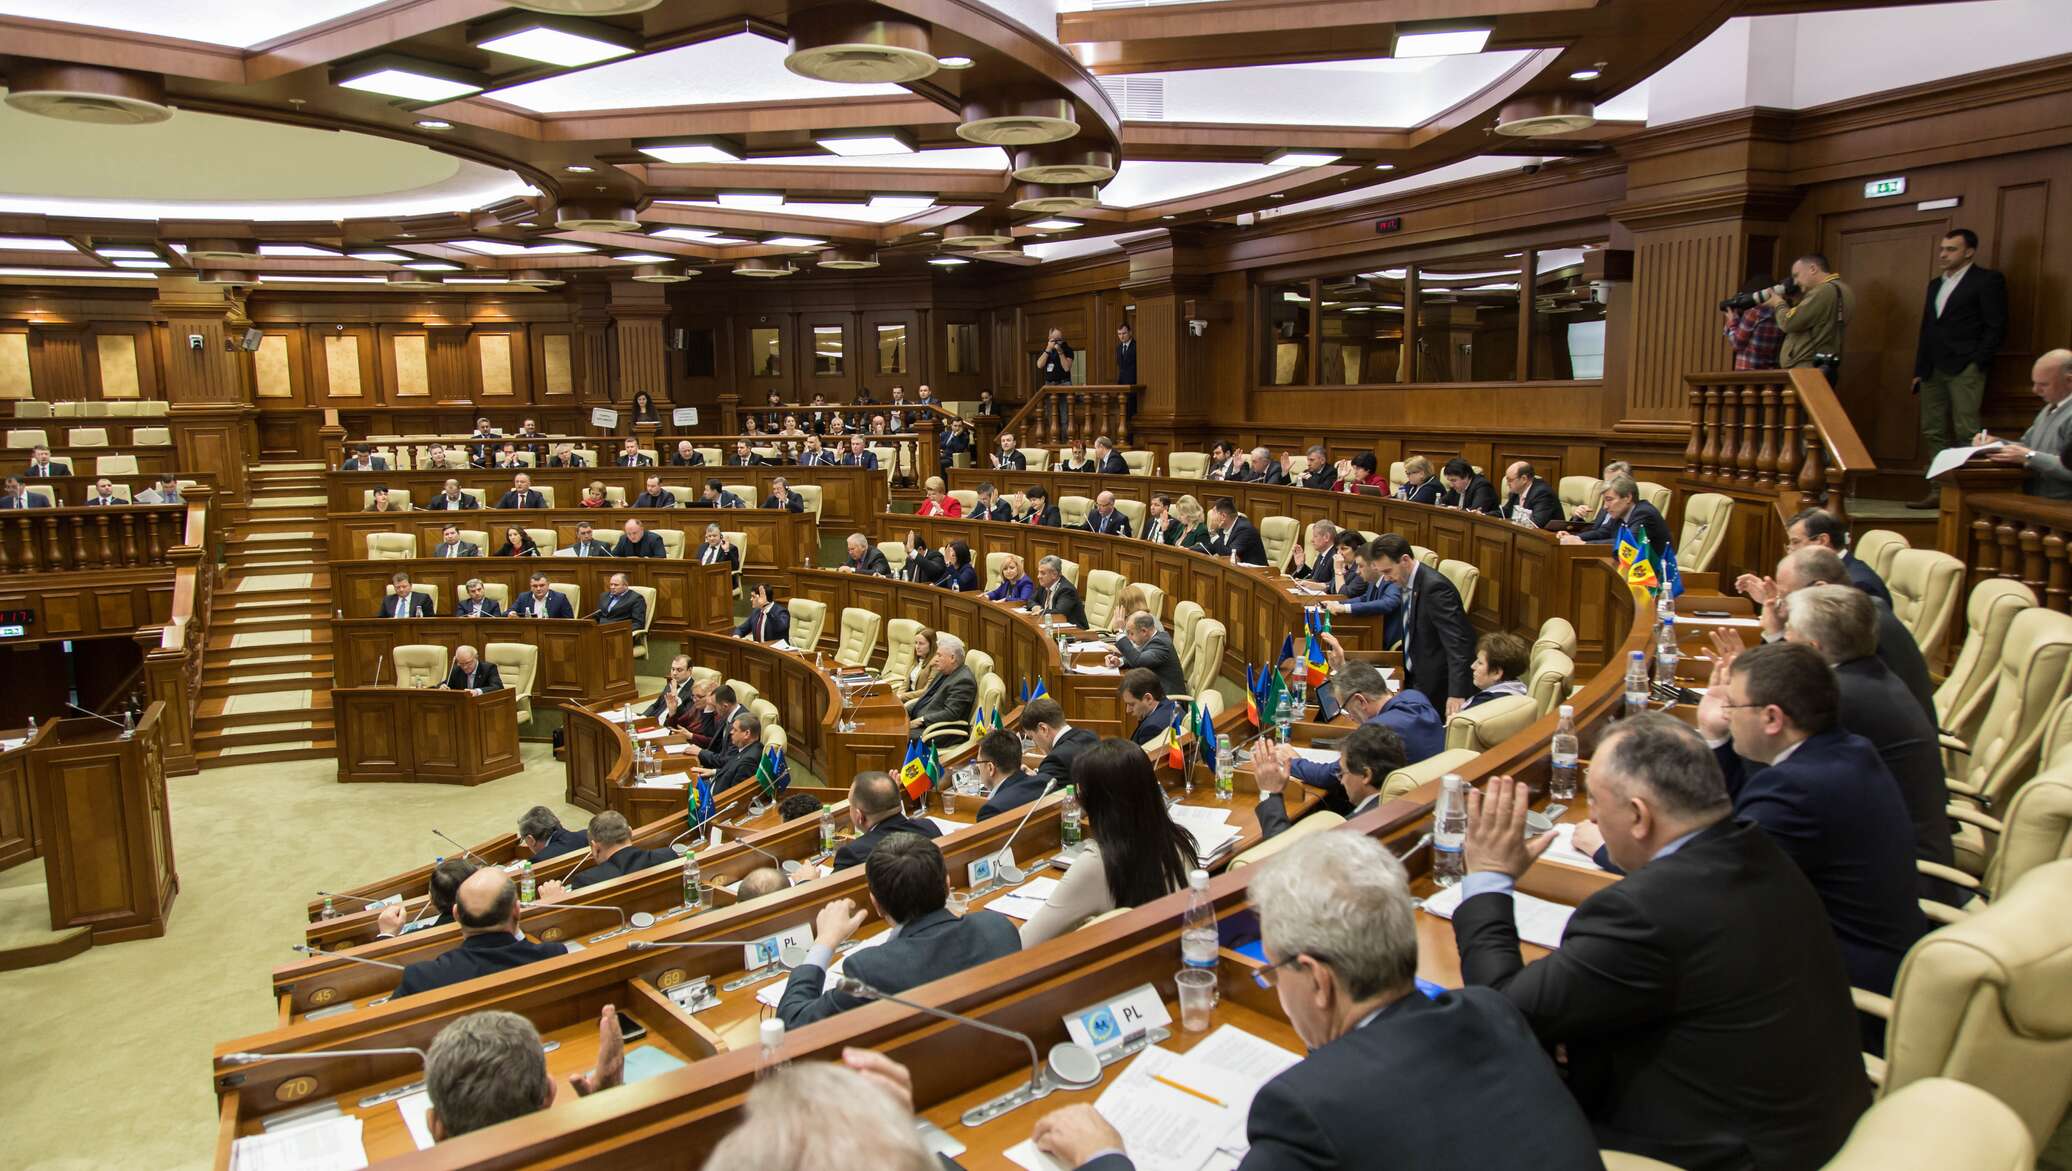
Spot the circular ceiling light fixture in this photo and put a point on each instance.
(999, 252)
(83, 93)
(585, 7)
(412, 281)
(844, 259)
(1542, 115)
(955, 61)
(538, 278)
(1017, 119)
(976, 233)
(212, 248)
(1050, 200)
(1064, 162)
(663, 274)
(858, 44)
(596, 217)
(768, 266)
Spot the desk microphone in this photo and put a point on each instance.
(791, 955)
(1009, 873)
(641, 920)
(1071, 1066)
(317, 952)
(332, 894)
(675, 841)
(790, 866)
(378, 661)
(249, 1058)
(464, 851)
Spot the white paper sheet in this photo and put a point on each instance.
(666, 781)
(1949, 459)
(413, 1107)
(1564, 849)
(769, 994)
(1539, 921)
(1095, 669)
(1025, 900)
(331, 1145)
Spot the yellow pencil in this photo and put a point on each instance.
(1166, 1081)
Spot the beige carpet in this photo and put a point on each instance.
(274, 581)
(249, 702)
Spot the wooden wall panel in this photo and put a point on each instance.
(556, 364)
(413, 366)
(15, 379)
(494, 364)
(342, 367)
(1678, 276)
(116, 361)
(273, 366)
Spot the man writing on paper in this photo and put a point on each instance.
(1387, 1082)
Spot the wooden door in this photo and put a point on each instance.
(1886, 255)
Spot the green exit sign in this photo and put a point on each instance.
(1882, 188)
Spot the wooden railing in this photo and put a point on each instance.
(173, 652)
(62, 540)
(1060, 413)
(1997, 531)
(1779, 433)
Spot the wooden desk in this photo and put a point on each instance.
(580, 660)
(106, 833)
(1528, 576)
(849, 497)
(18, 840)
(688, 596)
(777, 540)
(425, 734)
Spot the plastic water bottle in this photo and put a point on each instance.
(1198, 942)
(626, 718)
(827, 830)
(527, 889)
(1226, 772)
(330, 912)
(1561, 786)
(1665, 606)
(1450, 831)
(1666, 653)
(1636, 682)
(771, 1034)
(693, 889)
(1069, 829)
(1283, 718)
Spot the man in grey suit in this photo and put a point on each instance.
(1055, 593)
(909, 886)
(2042, 449)
(954, 692)
(450, 544)
(1145, 643)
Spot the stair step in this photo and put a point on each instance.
(223, 736)
(303, 678)
(244, 659)
(264, 753)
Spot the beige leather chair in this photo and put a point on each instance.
(479, 538)
(765, 713)
(1984, 1001)
(151, 437)
(706, 675)
(2037, 829)
(1466, 580)
(571, 591)
(1038, 458)
(547, 539)
(1207, 657)
(87, 437)
(1580, 493)
(739, 540)
(1187, 465)
(125, 408)
(811, 494)
(494, 591)
(1556, 634)
(546, 492)
(1187, 614)
(746, 492)
(1707, 516)
(859, 636)
(1877, 548)
(122, 465)
(518, 664)
(1934, 1124)
(24, 438)
(640, 636)
(1490, 723)
(400, 497)
(684, 493)
(46, 494)
(61, 410)
(1961, 699)
(1423, 555)
(1431, 768)
(1278, 534)
(895, 554)
(1661, 497)
(808, 619)
(994, 560)
(1154, 598)
(1397, 476)
(2035, 673)
(1141, 463)
(899, 649)
(980, 662)
(1134, 510)
(1099, 595)
(1548, 679)
(420, 664)
(888, 459)
(672, 542)
(745, 693)
(30, 408)
(1925, 585)
(391, 546)
(967, 500)
(1072, 510)
(1315, 822)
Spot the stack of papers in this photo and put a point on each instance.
(769, 994)
(1949, 459)
(1539, 921)
(618, 715)
(1095, 669)
(413, 1107)
(331, 1145)
(1089, 647)
(11, 745)
(666, 781)
(651, 734)
(1209, 826)
(1025, 900)
(1318, 755)
(1564, 848)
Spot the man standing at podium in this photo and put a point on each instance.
(542, 602)
(621, 604)
(403, 602)
(477, 605)
(471, 674)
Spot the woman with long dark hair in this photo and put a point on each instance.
(517, 543)
(957, 571)
(644, 408)
(1135, 852)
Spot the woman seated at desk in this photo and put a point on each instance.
(382, 503)
(593, 496)
(1015, 585)
(1135, 852)
(1128, 600)
(940, 502)
(517, 543)
(920, 675)
(957, 573)
(1195, 530)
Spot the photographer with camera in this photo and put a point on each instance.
(1056, 359)
(1812, 308)
(1750, 326)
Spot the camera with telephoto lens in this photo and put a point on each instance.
(1741, 302)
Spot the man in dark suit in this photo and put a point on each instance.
(1000, 768)
(744, 735)
(1104, 518)
(953, 694)
(727, 710)
(1232, 535)
(612, 855)
(781, 496)
(404, 602)
(17, 496)
(1623, 507)
(715, 495)
(865, 557)
(955, 442)
(1108, 461)
(1055, 593)
(490, 942)
(1818, 526)
(1842, 625)
(42, 467)
(636, 541)
(654, 495)
(767, 621)
(522, 494)
(686, 456)
(989, 506)
(630, 455)
(478, 603)
(539, 601)
(1366, 756)
(1322, 473)
(1373, 1037)
(1264, 469)
(565, 457)
(1042, 512)
(1125, 355)
(1812, 565)
(542, 836)
(1145, 643)
(1160, 525)
(1465, 489)
(621, 604)
(1963, 322)
(1438, 640)
(450, 544)
(1008, 456)
(858, 455)
(677, 691)
(1377, 594)
(1701, 1001)
(364, 460)
(1043, 721)
(1823, 795)
(103, 494)
(878, 814)
(471, 674)
(1144, 700)
(909, 886)
(451, 497)
(586, 543)
(1531, 500)
(1365, 695)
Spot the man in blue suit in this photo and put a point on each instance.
(1364, 694)
(542, 602)
(403, 602)
(17, 496)
(859, 455)
(767, 621)
(1818, 526)
(621, 604)
(1380, 596)
(522, 494)
(1144, 699)
(1106, 518)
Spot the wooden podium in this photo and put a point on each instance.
(428, 735)
(106, 835)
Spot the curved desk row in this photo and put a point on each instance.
(848, 496)
(688, 596)
(776, 540)
(1528, 576)
(579, 660)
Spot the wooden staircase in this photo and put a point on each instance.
(266, 685)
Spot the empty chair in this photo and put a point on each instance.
(746, 492)
(1925, 585)
(706, 675)
(899, 649)
(1072, 510)
(1935, 1124)
(672, 542)
(980, 662)
(571, 591)
(420, 664)
(895, 554)
(1211, 702)
(1877, 548)
(1187, 614)
(547, 539)
(1141, 463)
(87, 437)
(1556, 634)
(1425, 771)
(1548, 680)
(1187, 465)
(2036, 829)
(745, 693)
(1707, 516)
(391, 546)
(739, 540)
(151, 437)
(1965, 691)
(887, 458)
(1661, 497)
(115, 465)
(1397, 475)
(1207, 660)
(30, 408)
(1580, 494)
(1134, 510)
(1465, 578)
(1315, 821)
(811, 494)
(808, 618)
(1099, 595)
(24, 438)
(517, 664)
(967, 500)
(1038, 458)
(1277, 534)
(2035, 673)
(859, 635)
(1489, 724)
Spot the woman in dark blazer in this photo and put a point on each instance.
(644, 408)
(1196, 532)
(517, 544)
(957, 571)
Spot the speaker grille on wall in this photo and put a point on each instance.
(250, 341)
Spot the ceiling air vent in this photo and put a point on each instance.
(1139, 98)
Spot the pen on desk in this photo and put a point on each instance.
(1163, 1080)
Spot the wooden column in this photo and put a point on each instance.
(640, 318)
(213, 415)
(1169, 283)
(590, 309)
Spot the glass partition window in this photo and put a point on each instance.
(1285, 329)
(766, 352)
(1567, 319)
(892, 345)
(961, 348)
(827, 349)
(1360, 328)
(1467, 316)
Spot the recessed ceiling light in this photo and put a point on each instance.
(434, 124)
(751, 200)
(506, 248)
(280, 278)
(1384, 166)
(95, 273)
(295, 250)
(902, 203)
(1166, 217)
(398, 76)
(954, 61)
(578, 169)
(642, 258)
(931, 233)
(126, 253)
(1586, 75)
(793, 241)
(35, 244)
(947, 261)
(477, 280)
(698, 235)
(555, 41)
(859, 143)
(383, 257)
(1438, 42)
(1053, 225)
(724, 240)
(432, 266)
(140, 264)
(690, 150)
(1275, 195)
(1291, 157)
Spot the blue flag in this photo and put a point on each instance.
(1671, 579)
(1205, 735)
(1287, 650)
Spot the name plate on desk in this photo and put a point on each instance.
(604, 417)
(770, 949)
(1111, 1024)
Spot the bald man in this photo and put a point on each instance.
(487, 910)
(471, 674)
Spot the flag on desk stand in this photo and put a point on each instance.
(701, 798)
(1671, 579)
(913, 775)
(978, 722)
(1626, 548)
(1038, 691)
(998, 723)
(1273, 686)
(1314, 662)
(1287, 650)
(1640, 571)
(1176, 757)
(770, 773)
(1252, 697)
(1205, 737)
